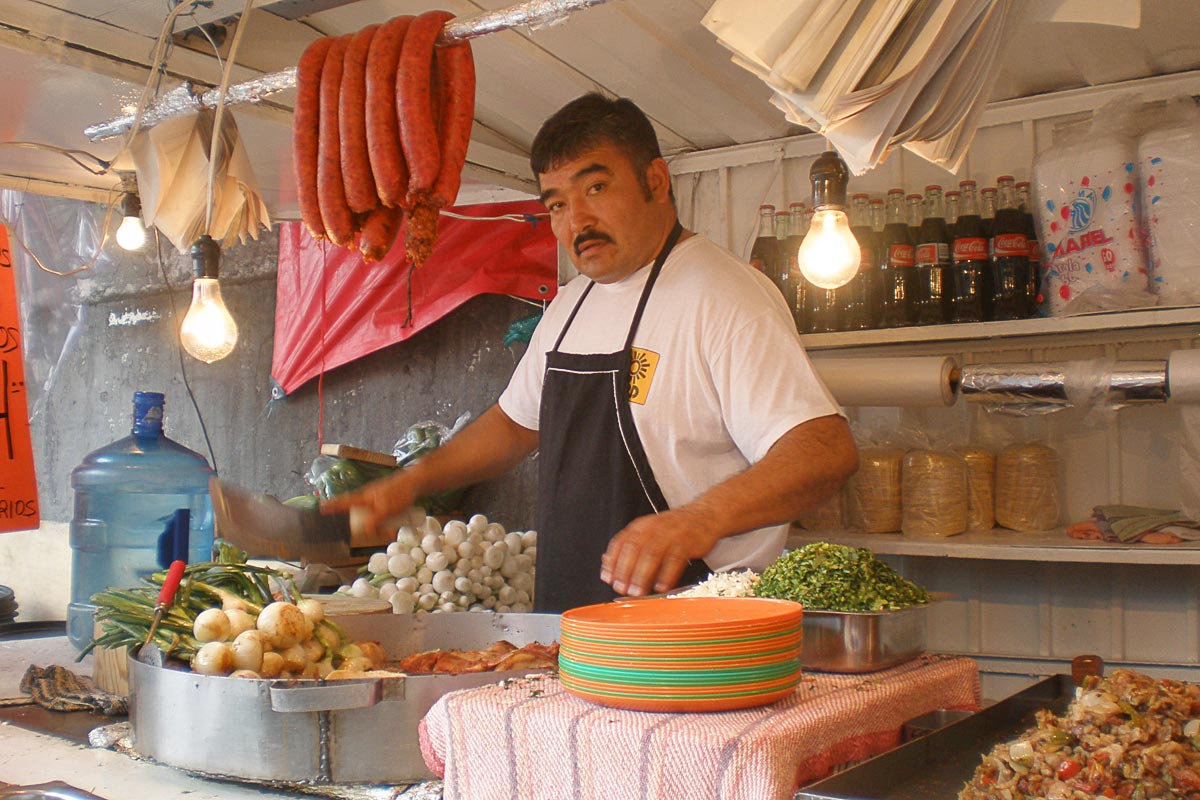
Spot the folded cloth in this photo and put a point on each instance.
(529, 738)
(59, 689)
(1129, 524)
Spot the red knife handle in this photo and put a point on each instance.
(171, 583)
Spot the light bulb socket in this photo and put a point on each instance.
(206, 257)
(829, 176)
(131, 205)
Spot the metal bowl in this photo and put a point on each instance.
(864, 641)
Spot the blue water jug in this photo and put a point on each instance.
(126, 493)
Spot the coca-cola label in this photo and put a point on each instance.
(1010, 245)
(971, 249)
(933, 253)
(900, 255)
(757, 263)
(1035, 252)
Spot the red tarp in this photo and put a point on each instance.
(331, 308)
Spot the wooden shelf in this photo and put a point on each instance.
(1040, 326)
(1006, 545)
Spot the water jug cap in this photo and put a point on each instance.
(147, 413)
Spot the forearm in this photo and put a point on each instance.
(805, 467)
(487, 448)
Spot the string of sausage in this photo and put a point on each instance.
(371, 109)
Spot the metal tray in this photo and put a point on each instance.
(357, 731)
(864, 641)
(940, 764)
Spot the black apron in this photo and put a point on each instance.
(593, 475)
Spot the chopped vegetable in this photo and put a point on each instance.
(831, 577)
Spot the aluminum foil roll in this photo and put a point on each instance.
(1033, 389)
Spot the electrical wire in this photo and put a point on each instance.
(226, 74)
(534, 218)
(14, 233)
(162, 267)
(69, 153)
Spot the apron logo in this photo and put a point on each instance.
(641, 374)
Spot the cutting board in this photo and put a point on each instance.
(358, 454)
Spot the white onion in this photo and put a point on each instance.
(408, 584)
(211, 625)
(427, 601)
(466, 550)
(239, 621)
(437, 561)
(377, 564)
(403, 603)
(401, 565)
(462, 584)
(513, 541)
(443, 581)
(510, 567)
(432, 543)
(407, 537)
(387, 592)
(425, 574)
(530, 552)
(529, 539)
(507, 595)
(431, 527)
(417, 555)
(493, 532)
(455, 532)
(272, 665)
(214, 658)
(477, 522)
(495, 555)
(283, 624)
(393, 548)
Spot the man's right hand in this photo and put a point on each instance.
(373, 505)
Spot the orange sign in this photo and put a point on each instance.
(18, 482)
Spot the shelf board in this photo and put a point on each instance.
(1005, 545)
(1038, 326)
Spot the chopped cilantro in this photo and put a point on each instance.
(833, 577)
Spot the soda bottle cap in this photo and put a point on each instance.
(933, 186)
(963, 184)
(1020, 184)
(1004, 178)
(953, 193)
(859, 196)
(988, 190)
(895, 191)
(912, 197)
(876, 201)
(796, 205)
(766, 206)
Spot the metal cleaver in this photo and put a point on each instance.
(263, 526)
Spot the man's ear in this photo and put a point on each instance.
(658, 178)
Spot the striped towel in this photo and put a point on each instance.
(528, 739)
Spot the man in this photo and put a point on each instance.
(678, 422)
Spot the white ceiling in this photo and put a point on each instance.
(69, 64)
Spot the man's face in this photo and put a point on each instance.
(600, 212)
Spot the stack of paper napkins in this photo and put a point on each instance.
(173, 169)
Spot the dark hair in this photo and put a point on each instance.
(590, 121)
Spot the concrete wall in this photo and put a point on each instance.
(107, 332)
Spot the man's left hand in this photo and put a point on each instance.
(651, 553)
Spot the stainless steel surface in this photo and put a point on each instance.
(55, 790)
(863, 641)
(186, 99)
(270, 730)
(938, 765)
(263, 526)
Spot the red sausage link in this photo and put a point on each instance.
(414, 103)
(339, 220)
(421, 233)
(305, 118)
(383, 132)
(379, 232)
(352, 124)
(456, 77)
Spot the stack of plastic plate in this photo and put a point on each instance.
(682, 654)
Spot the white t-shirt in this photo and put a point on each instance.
(726, 375)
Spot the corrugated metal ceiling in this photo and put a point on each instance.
(74, 63)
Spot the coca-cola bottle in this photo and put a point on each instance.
(896, 272)
(914, 211)
(970, 293)
(1010, 255)
(1025, 203)
(783, 260)
(931, 297)
(857, 297)
(952, 200)
(765, 251)
(791, 248)
(987, 212)
(878, 217)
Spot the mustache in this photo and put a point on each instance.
(589, 236)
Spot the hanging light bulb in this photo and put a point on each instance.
(131, 234)
(829, 254)
(208, 332)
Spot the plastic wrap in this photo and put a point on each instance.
(873, 494)
(1169, 180)
(1027, 487)
(829, 516)
(1086, 198)
(981, 487)
(934, 486)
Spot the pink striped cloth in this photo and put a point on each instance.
(528, 739)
